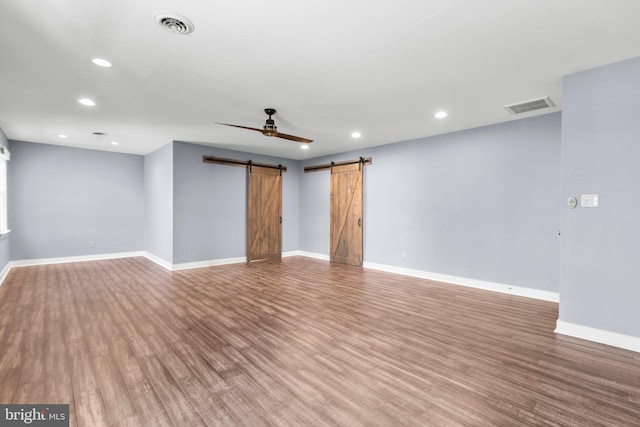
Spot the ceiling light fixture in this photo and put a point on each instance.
(304, 147)
(101, 62)
(86, 101)
(441, 114)
(356, 135)
(114, 143)
(62, 136)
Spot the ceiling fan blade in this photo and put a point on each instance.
(270, 130)
(241, 127)
(293, 138)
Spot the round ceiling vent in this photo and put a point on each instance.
(174, 23)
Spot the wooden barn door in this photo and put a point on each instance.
(346, 214)
(264, 213)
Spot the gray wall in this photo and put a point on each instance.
(314, 205)
(61, 198)
(210, 204)
(168, 203)
(600, 252)
(480, 203)
(5, 255)
(158, 203)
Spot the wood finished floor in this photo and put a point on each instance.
(297, 342)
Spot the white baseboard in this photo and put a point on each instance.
(156, 259)
(5, 272)
(291, 253)
(454, 280)
(223, 261)
(598, 335)
(314, 255)
(189, 265)
(81, 258)
(63, 260)
(209, 263)
(472, 283)
(161, 262)
(479, 284)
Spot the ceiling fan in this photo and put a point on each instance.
(270, 129)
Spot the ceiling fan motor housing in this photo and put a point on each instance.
(270, 128)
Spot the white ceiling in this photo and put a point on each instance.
(329, 67)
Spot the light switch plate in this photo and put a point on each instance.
(589, 200)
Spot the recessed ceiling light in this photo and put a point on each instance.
(304, 147)
(86, 101)
(114, 143)
(441, 114)
(101, 62)
(62, 136)
(356, 135)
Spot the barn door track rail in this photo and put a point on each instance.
(241, 163)
(328, 166)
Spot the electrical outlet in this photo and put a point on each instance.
(92, 244)
(403, 255)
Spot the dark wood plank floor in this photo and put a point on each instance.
(297, 342)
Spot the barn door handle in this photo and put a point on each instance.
(280, 220)
(359, 222)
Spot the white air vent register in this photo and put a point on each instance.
(532, 105)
